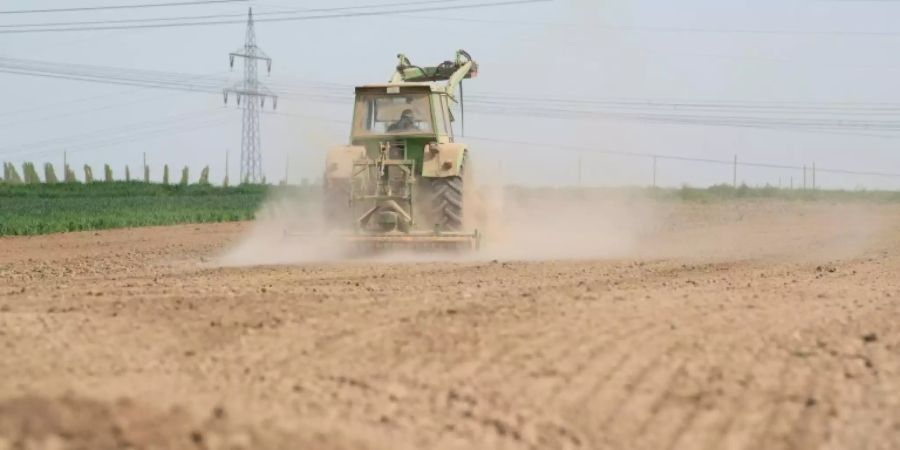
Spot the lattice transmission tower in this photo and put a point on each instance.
(251, 97)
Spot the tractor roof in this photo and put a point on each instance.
(431, 87)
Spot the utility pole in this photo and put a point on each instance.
(734, 173)
(256, 94)
(287, 160)
(654, 171)
(804, 176)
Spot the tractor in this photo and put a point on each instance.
(402, 182)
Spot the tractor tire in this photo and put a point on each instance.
(447, 203)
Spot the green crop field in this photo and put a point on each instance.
(50, 208)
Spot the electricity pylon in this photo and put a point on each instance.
(251, 97)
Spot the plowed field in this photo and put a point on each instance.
(727, 326)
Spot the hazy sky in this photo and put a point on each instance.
(837, 55)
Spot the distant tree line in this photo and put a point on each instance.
(30, 175)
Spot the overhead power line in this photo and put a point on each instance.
(112, 75)
(292, 11)
(222, 16)
(134, 6)
(84, 100)
(674, 116)
(661, 29)
(128, 133)
(115, 82)
(305, 16)
(192, 121)
(136, 137)
(857, 119)
(725, 162)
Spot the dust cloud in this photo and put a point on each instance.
(570, 223)
(765, 229)
(289, 229)
(523, 224)
(564, 223)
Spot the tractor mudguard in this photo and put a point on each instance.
(339, 161)
(443, 160)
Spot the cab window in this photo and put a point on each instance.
(378, 114)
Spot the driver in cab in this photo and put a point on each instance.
(406, 122)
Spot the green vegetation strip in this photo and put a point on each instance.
(717, 193)
(52, 208)
(728, 192)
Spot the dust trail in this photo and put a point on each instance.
(569, 223)
(524, 224)
(766, 229)
(289, 229)
(550, 223)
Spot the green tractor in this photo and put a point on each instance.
(402, 181)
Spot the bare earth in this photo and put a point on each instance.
(733, 326)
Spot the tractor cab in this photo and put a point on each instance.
(400, 111)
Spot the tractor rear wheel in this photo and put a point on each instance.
(447, 203)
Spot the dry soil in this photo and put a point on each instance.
(743, 325)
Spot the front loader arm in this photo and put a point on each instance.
(451, 71)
